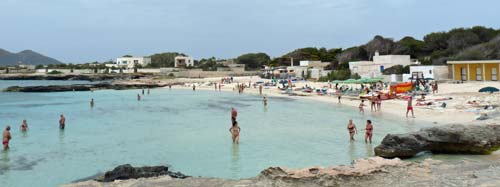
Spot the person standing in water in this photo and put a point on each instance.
(6, 138)
(138, 97)
(369, 131)
(235, 132)
(143, 91)
(361, 106)
(264, 100)
(220, 85)
(169, 86)
(92, 103)
(351, 127)
(24, 126)
(234, 114)
(194, 87)
(410, 107)
(62, 122)
(373, 103)
(379, 102)
(148, 91)
(339, 97)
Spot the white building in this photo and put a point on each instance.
(183, 61)
(434, 72)
(372, 69)
(131, 62)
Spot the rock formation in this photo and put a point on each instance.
(126, 171)
(451, 139)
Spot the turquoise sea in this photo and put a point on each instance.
(181, 128)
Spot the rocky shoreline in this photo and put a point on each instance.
(373, 172)
(79, 77)
(448, 139)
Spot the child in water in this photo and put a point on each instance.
(235, 132)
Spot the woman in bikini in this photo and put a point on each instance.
(369, 131)
(235, 132)
(351, 127)
(24, 126)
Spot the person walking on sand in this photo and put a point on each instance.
(368, 131)
(339, 97)
(24, 126)
(351, 127)
(62, 122)
(260, 89)
(6, 138)
(235, 132)
(92, 103)
(361, 106)
(410, 107)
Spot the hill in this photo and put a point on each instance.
(27, 57)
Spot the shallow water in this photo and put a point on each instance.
(185, 129)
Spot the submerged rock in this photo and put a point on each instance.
(124, 172)
(451, 139)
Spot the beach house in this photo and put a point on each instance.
(475, 70)
(372, 69)
(432, 72)
(131, 62)
(183, 61)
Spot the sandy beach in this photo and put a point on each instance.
(458, 110)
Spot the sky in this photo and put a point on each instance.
(78, 31)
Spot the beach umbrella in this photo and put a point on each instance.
(489, 89)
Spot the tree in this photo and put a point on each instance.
(253, 61)
(380, 44)
(164, 59)
(352, 54)
(436, 41)
(409, 46)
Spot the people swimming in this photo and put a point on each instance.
(6, 138)
(235, 132)
(24, 126)
(62, 122)
(368, 131)
(92, 103)
(264, 100)
(351, 127)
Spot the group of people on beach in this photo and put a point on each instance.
(375, 104)
(7, 136)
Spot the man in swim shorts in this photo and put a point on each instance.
(6, 138)
(62, 122)
(410, 107)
